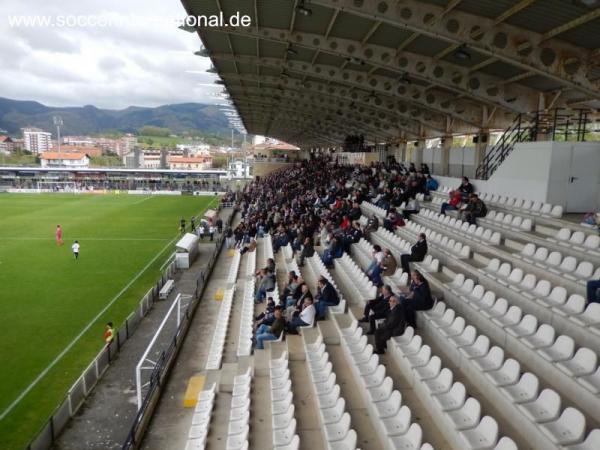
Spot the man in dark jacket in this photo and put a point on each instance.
(393, 326)
(307, 251)
(417, 253)
(326, 297)
(378, 308)
(418, 299)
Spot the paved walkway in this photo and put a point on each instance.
(106, 417)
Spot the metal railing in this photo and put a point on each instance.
(554, 125)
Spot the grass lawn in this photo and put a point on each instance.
(47, 298)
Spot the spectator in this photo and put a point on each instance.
(250, 247)
(424, 169)
(304, 317)
(266, 284)
(376, 261)
(412, 207)
(270, 333)
(229, 241)
(453, 204)
(418, 299)
(268, 316)
(389, 263)
(334, 250)
(307, 251)
(377, 308)
(392, 326)
(465, 188)
(432, 184)
(417, 253)
(327, 296)
(593, 291)
(474, 209)
(291, 284)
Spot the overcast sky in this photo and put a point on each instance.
(147, 63)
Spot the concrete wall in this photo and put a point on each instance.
(541, 171)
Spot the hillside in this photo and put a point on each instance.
(180, 118)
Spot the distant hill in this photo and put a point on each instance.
(180, 118)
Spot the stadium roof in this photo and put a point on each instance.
(312, 71)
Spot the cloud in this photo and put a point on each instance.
(143, 61)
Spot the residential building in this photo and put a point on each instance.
(63, 159)
(90, 151)
(36, 140)
(190, 162)
(7, 145)
(127, 144)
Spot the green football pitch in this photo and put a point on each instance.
(47, 298)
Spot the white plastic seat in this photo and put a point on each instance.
(569, 428)
(440, 384)
(453, 399)
(411, 440)
(420, 358)
(329, 399)
(369, 367)
(347, 443)
(499, 309)
(512, 317)
(543, 337)
(293, 445)
(591, 442)
(506, 443)
(467, 416)
(376, 378)
(282, 406)
(584, 362)
(541, 254)
(321, 375)
(507, 374)
(563, 234)
(389, 407)
(457, 326)
(381, 392)
(491, 361)
(238, 441)
(337, 431)
(591, 315)
(584, 270)
(557, 297)
(467, 337)
(335, 413)
(483, 436)
(479, 348)
(525, 390)
(326, 386)
(562, 349)
(574, 305)
(542, 289)
(399, 423)
(526, 327)
(544, 408)
(280, 393)
(429, 370)
(592, 242)
(282, 420)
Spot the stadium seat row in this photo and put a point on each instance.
(215, 354)
(474, 232)
(201, 420)
(282, 408)
(239, 415)
(359, 285)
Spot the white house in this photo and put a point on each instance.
(69, 160)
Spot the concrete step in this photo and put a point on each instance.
(295, 348)
(306, 410)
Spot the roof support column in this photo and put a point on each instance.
(445, 159)
(481, 146)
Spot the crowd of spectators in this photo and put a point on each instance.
(317, 204)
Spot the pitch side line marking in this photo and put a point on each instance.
(85, 329)
(15, 238)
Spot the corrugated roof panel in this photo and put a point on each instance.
(540, 83)
(425, 45)
(274, 13)
(246, 68)
(329, 59)
(542, 16)
(302, 54)
(349, 26)
(315, 23)
(224, 66)
(586, 35)
(231, 8)
(216, 42)
(389, 36)
(270, 49)
(502, 70)
(486, 8)
(243, 45)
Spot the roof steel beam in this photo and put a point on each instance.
(572, 24)
(415, 95)
(481, 87)
(343, 121)
(273, 98)
(545, 57)
(318, 92)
